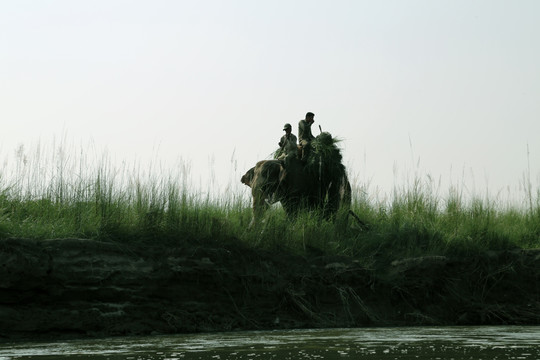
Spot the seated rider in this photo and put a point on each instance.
(287, 143)
(304, 134)
(287, 150)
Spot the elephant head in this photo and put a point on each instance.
(263, 179)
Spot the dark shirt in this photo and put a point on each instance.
(304, 131)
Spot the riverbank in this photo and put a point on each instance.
(80, 288)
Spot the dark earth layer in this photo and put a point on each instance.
(78, 288)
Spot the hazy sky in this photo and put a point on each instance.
(445, 88)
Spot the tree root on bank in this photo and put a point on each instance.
(507, 314)
(302, 304)
(421, 319)
(348, 292)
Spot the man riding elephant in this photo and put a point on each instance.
(305, 136)
(287, 143)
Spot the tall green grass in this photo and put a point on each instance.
(51, 193)
(418, 221)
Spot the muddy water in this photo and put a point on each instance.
(367, 343)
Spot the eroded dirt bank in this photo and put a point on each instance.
(77, 288)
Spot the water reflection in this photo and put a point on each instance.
(372, 343)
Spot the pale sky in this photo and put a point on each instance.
(445, 88)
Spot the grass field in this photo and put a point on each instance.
(58, 196)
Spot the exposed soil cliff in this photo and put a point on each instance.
(73, 287)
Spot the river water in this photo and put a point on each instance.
(366, 343)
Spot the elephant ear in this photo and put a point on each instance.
(291, 168)
(283, 174)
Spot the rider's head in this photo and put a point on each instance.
(287, 128)
(310, 117)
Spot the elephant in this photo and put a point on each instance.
(319, 183)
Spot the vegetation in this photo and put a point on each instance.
(62, 198)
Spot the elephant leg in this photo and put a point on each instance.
(259, 207)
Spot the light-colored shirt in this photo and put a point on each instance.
(288, 144)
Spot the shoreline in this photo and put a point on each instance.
(76, 288)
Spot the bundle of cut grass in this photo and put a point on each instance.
(325, 152)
